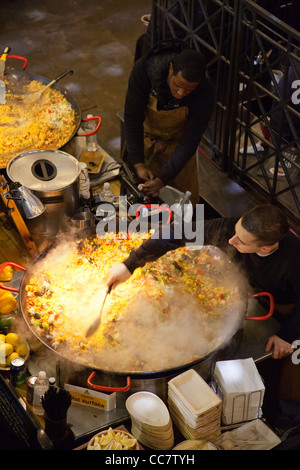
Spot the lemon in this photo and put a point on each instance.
(105, 439)
(12, 338)
(127, 442)
(11, 357)
(5, 350)
(119, 437)
(115, 446)
(21, 349)
(2, 338)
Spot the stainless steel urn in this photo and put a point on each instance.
(53, 176)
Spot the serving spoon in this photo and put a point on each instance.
(37, 94)
(96, 323)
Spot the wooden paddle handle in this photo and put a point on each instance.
(4, 55)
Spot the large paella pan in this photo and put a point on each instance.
(172, 313)
(27, 124)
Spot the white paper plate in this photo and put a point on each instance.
(148, 408)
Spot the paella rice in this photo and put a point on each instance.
(148, 322)
(46, 123)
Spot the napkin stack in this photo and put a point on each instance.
(241, 388)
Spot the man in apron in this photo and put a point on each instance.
(169, 102)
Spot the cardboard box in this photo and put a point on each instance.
(88, 397)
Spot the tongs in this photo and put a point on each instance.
(37, 94)
(95, 325)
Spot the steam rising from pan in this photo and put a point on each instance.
(143, 340)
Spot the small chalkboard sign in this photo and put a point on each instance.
(23, 431)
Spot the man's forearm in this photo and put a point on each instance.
(150, 250)
(216, 232)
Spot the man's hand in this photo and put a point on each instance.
(142, 172)
(151, 188)
(118, 274)
(280, 347)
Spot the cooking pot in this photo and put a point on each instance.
(127, 375)
(53, 176)
(19, 78)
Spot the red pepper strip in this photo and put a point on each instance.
(84, 250)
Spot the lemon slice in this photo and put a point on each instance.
(116, 446)
(109, 446)
(127, 442)
(119, 437)
(105, 440)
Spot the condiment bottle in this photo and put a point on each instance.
(91, 140)
(40, 387)
(84, 182)
(106, 194)
(52, 382)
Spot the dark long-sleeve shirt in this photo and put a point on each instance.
(277, 273)
(199, 104)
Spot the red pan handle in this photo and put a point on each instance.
(20, 58)
(271, 308)
(11, 289)
(153, 206)
(98, 118)
(102, 388)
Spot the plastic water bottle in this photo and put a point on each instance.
(183, 199)
(91, 140)
(40, 387)
(179, 203)
(84, 182)
(178, 206)
(106, 194)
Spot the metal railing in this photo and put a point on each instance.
(253, 59)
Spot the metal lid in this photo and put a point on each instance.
(43, 170)
(18, 362)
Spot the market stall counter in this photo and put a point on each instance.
(84, 419)
(96, 405)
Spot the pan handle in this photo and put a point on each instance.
(19, 58)
(271, 308)
(153, 206)
(102, 388)
(99, 119)
(11, 289)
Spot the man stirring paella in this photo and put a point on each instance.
(266, 250)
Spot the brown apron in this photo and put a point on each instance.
(162, 133)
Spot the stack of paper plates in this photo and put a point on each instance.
(150, 421)
(194, 407)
